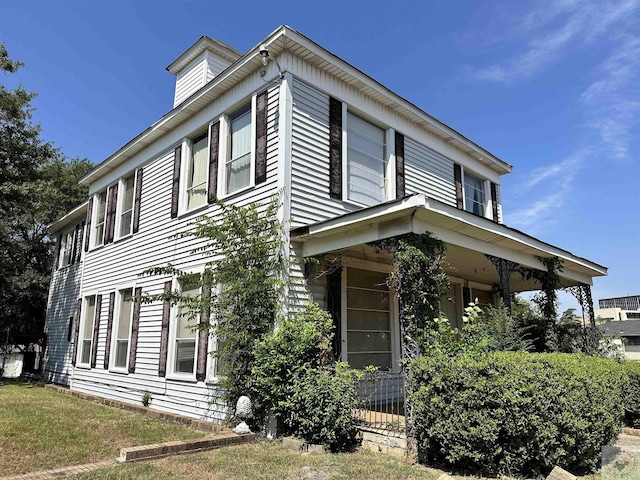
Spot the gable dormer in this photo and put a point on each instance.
(199, 64)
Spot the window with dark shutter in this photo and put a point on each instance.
(107, 346)
(164, 332)
(135, 325)
(96, 329)
(76, 334)
(261, 137)
(137, 200)
(400, 183)
(110, 222)
(335, 148)
(457, 177)
(70, 329)
(214, 149)
(88, 230)
(494, 201)
(175, 188)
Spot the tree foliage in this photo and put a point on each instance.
(37, 186)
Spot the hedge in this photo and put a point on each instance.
(516, 413)
(632, 394)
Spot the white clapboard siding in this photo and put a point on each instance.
(190, 79)
(61, 306)
(428, 172)
(119, 265)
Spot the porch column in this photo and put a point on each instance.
(505, 268)
(582, 293)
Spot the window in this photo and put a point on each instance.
(366, 161)
(475, 200)
(237, 172)
(368, 319)
(126, 205)
(100, 216)
(123, 328)
(66, 249)
(451, 305)
(197, 173)
(185, 336)
(87, 329)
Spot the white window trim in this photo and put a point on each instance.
(114, 329)
(171, 350)
(223, 152)
(486, 186)
(120, 203)
(390, 157)
(94, 217)
(393, 309)
(187, 144)
(83, 321)
(481, 286)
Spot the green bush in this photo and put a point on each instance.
(632, 394)
(296, 381)
(321, 407)
(515, 412)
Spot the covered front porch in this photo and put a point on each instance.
(487, 261)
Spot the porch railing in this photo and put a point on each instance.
(382, 396)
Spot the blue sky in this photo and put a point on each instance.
(551, 87)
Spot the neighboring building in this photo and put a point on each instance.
(356, 163)
(619, 308)
(626, 335)
(630, 302)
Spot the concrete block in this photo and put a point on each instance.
(291, 443)
(560, 474)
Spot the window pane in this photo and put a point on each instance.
(366, 320)
(238, 168)
(474, 194)
(124, 316)
(86, 351)
(127, 206)
(90, 311)
(101, 207)
(367, 299)
(122, 350)
(368, 279)
(185, 354)
(369, 342)
(361, 360)
(366, 161)
(197, 178)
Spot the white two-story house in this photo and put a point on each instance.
(356, 163)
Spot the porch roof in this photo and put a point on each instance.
(468, 237)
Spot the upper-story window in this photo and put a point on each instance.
(125, 215)
(66, 248)
(475, 198)
(100, 205)
(237, 171)
(196, 187)
(366, 161)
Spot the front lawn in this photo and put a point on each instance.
(43, 429)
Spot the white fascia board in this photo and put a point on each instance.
(77, 213)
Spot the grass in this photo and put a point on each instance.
(266, 460)
(43, 429)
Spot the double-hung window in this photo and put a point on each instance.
(100, 217)
(237, 171)
(123, 328)
(475, 198)
(66, 249)
(366, 161)
(185, 335)
(87, 329)
(126, 205)
(196, 186)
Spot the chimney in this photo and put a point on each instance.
(199, 64)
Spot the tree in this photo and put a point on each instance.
(37, 186)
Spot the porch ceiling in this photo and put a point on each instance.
(467, 236)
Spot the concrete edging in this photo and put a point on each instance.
(631, 431)
(145, 452)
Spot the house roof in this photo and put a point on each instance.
(284, 39)
(78, 213)
(199, 46)
(626, 328)
(419, 213)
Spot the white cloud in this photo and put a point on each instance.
(549, 30)
(553, 184)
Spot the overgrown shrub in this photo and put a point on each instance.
(632, 394)
(515, 412)
(295, 380)
(321, 407)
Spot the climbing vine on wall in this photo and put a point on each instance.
(549, 284)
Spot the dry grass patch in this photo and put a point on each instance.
(43, 429)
